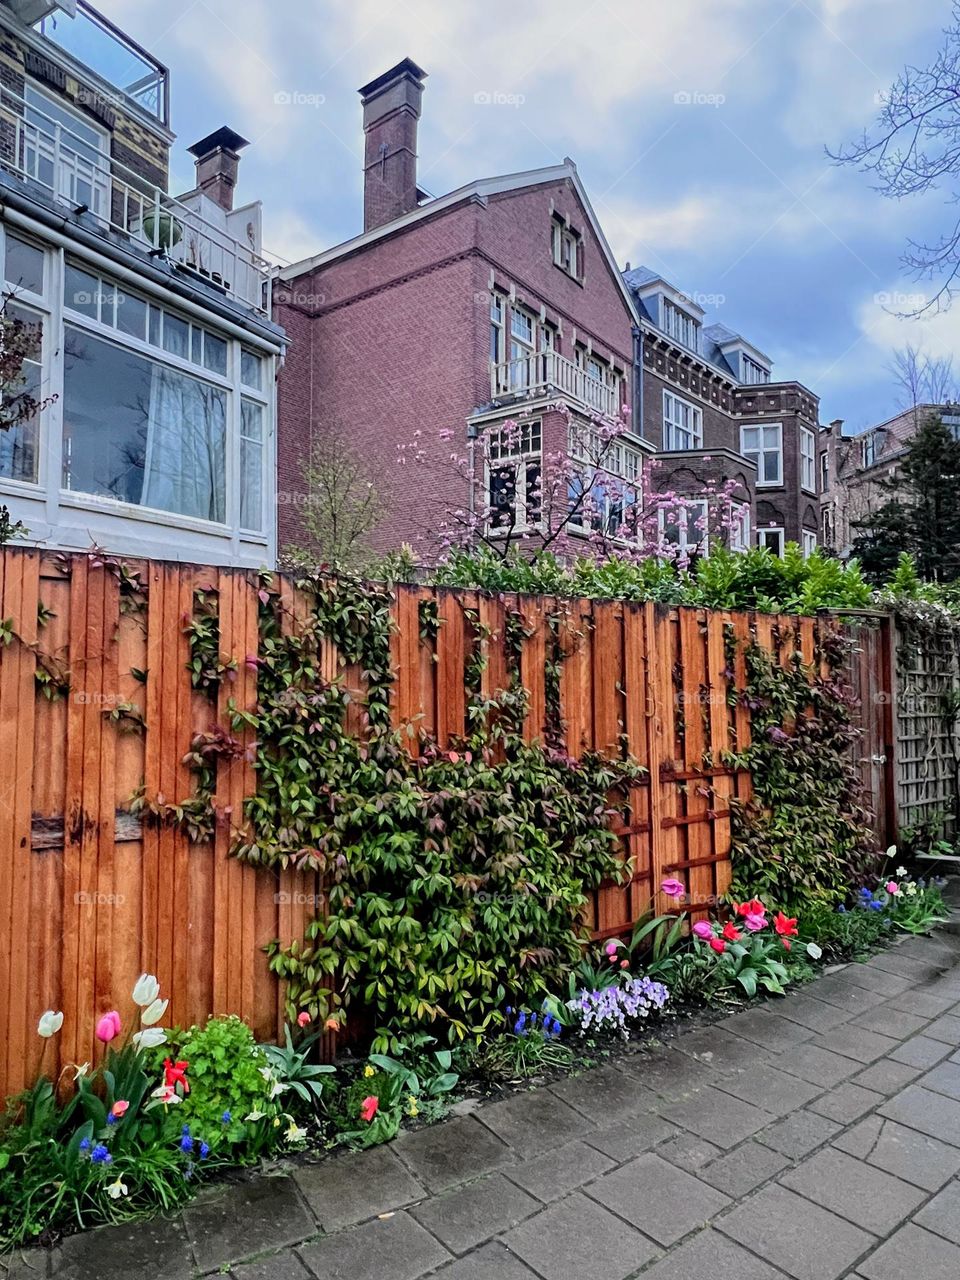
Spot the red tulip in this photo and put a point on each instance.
(176, 1073)
(368, 1108)
(718, 945)
(752, 908)
(731, 932)
(785, 926)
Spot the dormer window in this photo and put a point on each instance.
(753, 373)
(680, 326)
(869, 449)
(567, 249)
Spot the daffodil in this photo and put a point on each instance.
(254, 1116)
(368, 1071)
(117, 1189)
(295, 1134)
(412, 1108)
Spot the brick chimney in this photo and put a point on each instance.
(218, 159)
(391, 109)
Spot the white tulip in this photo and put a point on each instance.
(154, 1013)
(146, 990)
(49, 1024)
(151, 1038)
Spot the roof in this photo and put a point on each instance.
(406, 67)
(481, 189)
(222, 139)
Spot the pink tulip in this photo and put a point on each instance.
(303, 1018)
(755, 923)
(611, 949)
(703, 929)
(108, 1028)
(892, 887)
(673, 888)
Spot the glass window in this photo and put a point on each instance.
(772, 538)
(65, 152)
(754, 373)
(132, 315)
(740, 527)
(682, 423)
(685, 525)
(24, 265)
(824, 472)
(681, 326)
(215, 354)
(81, 291)
(808, 460)
(18, 443)
(251, 465)
(514, 496)
(763, 445)
(176, 336)
(138, 431)
(251, 370)
(809, 543)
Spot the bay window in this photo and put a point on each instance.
(604, 486)
(763, 445)
(685, 525)
(141, 407)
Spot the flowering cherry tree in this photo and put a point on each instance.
(583, 486)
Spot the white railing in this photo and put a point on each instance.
(35, 146)
(547, 371)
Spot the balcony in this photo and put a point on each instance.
(547, 372)
(96, 43)
(114, 199)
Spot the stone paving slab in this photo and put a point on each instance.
(815, 1138)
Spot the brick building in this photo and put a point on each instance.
(448, 317)
(713, 411)
(155, 358)
(851, 469)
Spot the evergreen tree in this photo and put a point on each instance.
(921, 513)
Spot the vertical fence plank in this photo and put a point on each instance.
(451, 656)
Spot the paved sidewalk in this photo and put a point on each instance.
(816, 1137)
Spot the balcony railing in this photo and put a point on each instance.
(94, 41)
(543, 372)
(35, 146)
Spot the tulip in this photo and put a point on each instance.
(119, 1108)
(703, 929)
(752, 908)
(673, 888)
(754, 923)
(108, 1028)
(368, 1108)
(49, 1024)
(154, 1012)
(785, 925)
(892, 888)
(731, 932)
(718, 945)
(303, 1018)
(176, 1073)
(151, 1038)
(146, 991)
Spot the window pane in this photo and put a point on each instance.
(251, 465)
(176, 336)
(139, 432)
(503, 495)
(18, 444)
(81, 291)
(771, 467)
(24, 265)
(251, 370)
(215, 354)
(132, 315)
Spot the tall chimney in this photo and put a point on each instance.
(218, 160)
(391, 109)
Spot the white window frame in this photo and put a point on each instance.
(673, 423)
(824, 472)
(774, 529)
(689, 513)
(616, 463)
(868, 450)
(808, 460)
(69, 165)
(740, 527)
(524, 451)
(47, 501)
(759, 454)
(808, 542)
(566, 241)
(680, 326)
(754, 374)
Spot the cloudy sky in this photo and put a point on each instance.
(698, 128)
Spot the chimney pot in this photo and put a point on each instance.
(218, 160)
(391, 111)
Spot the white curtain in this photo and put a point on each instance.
(183, 469)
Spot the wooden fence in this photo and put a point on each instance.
(90, 897)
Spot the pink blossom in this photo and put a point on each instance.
(108, 1028)
(754, 923)
(703, 929)
(673, 888)
(892, 887)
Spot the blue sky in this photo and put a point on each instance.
(698, 129)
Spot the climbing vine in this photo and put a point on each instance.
(455, 879)
(804, 836)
